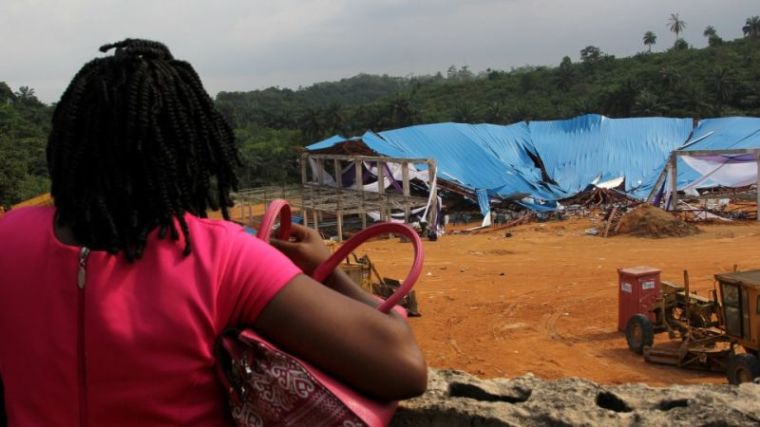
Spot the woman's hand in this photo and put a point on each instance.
(306, 248)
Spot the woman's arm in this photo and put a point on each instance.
(338, 328)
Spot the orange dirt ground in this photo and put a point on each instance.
(545, 300)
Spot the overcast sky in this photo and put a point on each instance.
(240, 45)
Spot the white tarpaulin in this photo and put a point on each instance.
(728, 170)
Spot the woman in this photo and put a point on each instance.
(111, 301)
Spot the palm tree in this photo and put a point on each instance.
(713, 39)
(676, 24)
(722, 83)
(650, 38)
(752, 27)
(565, 73)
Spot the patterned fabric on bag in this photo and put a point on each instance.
(269, 387)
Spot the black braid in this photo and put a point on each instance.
(136, 143)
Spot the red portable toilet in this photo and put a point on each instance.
(638, 287)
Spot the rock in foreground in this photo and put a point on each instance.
(458, 399)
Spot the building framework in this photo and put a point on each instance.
(321, 199)
(672, 171)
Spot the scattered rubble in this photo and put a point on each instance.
(597, 197)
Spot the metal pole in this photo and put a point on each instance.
(407, 192)
(304, 177)
(434, 196)
(339, 194)
(359, 186)
(381, 187)
(673, 182)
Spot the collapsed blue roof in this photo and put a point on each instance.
(487, 157)
(590, 148)
(725, 133)
(554, 160)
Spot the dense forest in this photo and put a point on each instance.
(722, 79)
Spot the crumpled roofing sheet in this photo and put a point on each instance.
(579, 151)
(575, 152)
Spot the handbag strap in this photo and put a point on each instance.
(280, 207)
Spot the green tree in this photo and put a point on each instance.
(402, 112)
(591, 55)
(496, 112)
(722, 83)
(751, 28)
(333, 118)
(267, 156)
(25, 93)
(565, 74)
(650, 38)
(676, 24)
(312, 125)
(6, 94)
(464, 112)
(680, 44)
(647, 104)
(713, 39)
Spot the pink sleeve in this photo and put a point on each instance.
(254, 273)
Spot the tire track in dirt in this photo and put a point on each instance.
(548, 326)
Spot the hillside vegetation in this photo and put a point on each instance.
(720, 80)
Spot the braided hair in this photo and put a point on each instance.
(136, 143)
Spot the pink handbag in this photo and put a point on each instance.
(269, 387)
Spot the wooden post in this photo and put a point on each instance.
(405, 186)
(381, 187)
(339, 195)
(673, 182)
(304, 178)
(321, 180)
(687, 291)
(359, 186)
(658, 184)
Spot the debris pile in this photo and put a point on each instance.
(649, 221)
(597, 197)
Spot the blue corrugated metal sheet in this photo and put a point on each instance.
(579, 151)
(327, 143)
(575, 152)
(489, 157)
(725, 133)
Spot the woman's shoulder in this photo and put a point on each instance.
(216, 232)
(32, 216)
(213, 226)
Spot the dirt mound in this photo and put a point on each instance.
(649, 221)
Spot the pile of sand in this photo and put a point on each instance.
(649, 221)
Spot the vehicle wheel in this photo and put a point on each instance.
(639, 333)
(743, 368)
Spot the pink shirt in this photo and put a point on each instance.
(134, 345)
